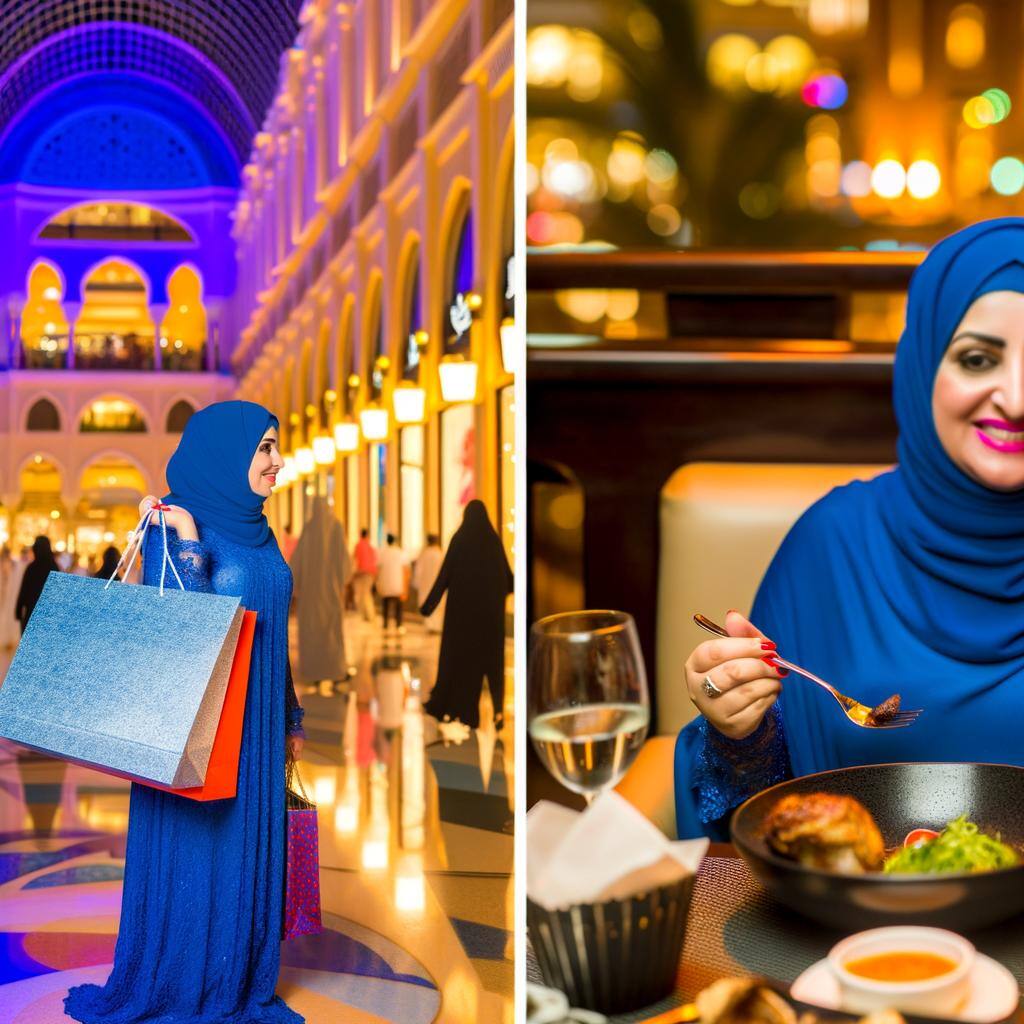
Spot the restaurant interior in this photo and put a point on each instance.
(727, 200)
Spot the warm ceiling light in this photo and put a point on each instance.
(304, 461)
(374, 423)
(346, 436)
(410, 403)
(323, 450)
(458, 379)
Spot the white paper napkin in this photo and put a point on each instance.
(609, 851)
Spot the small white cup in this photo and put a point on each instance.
(941, 996)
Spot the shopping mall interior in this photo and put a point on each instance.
(309, 205)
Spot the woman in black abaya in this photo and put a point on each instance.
(476, 575)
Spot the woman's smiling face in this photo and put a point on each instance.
(266, 464)
(978, 397)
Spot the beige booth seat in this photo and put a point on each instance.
(721, 524)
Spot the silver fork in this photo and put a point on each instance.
(853, 709)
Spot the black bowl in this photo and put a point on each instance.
(900, 797)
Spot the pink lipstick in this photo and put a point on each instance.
(1001, 435)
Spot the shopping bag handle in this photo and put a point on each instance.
(135, 546)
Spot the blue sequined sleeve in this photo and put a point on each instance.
(729, 771)
(293, 710)
(189, 556)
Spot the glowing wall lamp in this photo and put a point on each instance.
(458, 379)
(346, 436)
(410, 403)
(323, 451)
(509, 345)
(374, 423)
(304, 461)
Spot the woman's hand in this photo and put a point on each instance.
(178, 518)
(295, 744)
(742, 667)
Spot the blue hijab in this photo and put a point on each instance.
(912, 582)
(209, 471)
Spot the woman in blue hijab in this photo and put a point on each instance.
(912, 582)
(202, 908)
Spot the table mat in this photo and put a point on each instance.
(736, 928)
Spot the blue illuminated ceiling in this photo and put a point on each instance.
(220, 55)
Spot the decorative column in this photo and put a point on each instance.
(158, 310)
(72, 310)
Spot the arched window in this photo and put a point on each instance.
(413, 320)
(44, 328)
(43, 416)
(180, 413)
(112, 415)
(183, 330)
(114, 330)
(376, 367)
(121, 222)
(460, 282)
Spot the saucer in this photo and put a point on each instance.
(994, 994)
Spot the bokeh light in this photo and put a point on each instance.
(823, 178)
(889, 179)
(965, 36)
(626, 161)
(660, 167)
(793, 59)
(548, 49)
(1000, 101)
(762, 73)
(557, 227)
(1007, 176)
(828, 91)
(587, 305)
(856, 179)
(727, 60)
(923, 179)
(980, 112)
(664, 219)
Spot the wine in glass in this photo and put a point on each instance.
(588, 704)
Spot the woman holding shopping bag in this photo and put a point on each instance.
(201, 913)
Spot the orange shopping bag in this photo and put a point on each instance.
(222, 771)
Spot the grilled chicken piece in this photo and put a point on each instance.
(884, 711)
(825, 830)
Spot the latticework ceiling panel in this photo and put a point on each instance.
(43, 42)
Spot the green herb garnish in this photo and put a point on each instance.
(960, 846)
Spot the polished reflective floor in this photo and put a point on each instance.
(416, 853)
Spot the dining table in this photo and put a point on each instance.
(736, 929)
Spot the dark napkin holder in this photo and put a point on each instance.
(616, 956)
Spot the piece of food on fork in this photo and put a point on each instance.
(827, 831)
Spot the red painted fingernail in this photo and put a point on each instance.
(782, 671)
(769, 659)
(767, 645)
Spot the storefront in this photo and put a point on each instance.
(458, 466)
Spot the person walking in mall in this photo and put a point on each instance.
(203, 899)
(476, 576)
(321, 570)
(391, 582)
(424, 575)
(366, 572)
(34, 579)
(11, 571)
(111, 556)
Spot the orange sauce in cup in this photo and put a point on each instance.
(901, 966)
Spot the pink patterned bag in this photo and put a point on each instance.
(302, 880)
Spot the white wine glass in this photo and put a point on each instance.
(588, 706)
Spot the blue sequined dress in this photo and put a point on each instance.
(201, 914)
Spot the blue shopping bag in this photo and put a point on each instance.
(127, 679)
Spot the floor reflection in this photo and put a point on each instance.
(416, 854)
